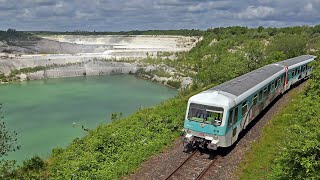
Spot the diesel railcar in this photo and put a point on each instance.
(215, 117)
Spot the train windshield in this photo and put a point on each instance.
(205, 114)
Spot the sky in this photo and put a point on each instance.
(124, 15)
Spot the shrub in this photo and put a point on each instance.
(175, 84)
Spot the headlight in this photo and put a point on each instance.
(215, 137)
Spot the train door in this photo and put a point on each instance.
(286, 84)
(234, 125)
(303, 72)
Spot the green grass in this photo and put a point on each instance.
(259, 159)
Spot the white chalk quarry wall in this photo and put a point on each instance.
(130, 42)
(89, 68)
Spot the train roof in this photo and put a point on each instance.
(296, 60)
(247, 81)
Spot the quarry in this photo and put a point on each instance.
(85, 55)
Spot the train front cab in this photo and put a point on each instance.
(205, 126)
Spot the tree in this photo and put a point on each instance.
(8, 141)
(260, 29)
(254, 53)
(291, 45)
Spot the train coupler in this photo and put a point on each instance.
(212, 146)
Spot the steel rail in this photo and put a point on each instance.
(207, 168)
(194, 152)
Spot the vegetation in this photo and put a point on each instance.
(114, 150)
(175, 84)
(34, 168)
(11, 36)
(8, 140)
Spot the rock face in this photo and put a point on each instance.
(86, 69)
(64, 49)
(75, 55)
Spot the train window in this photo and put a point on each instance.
(255, 99)
(279, 81)
(298, 71)
(235, 117)
(272, 87)
(292, 74)
(206, 114)
(260, 95)
(276, 84)
(244, 108)
(213, 117)
(304, 68)
(265, 92)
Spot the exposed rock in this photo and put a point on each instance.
(36, 75)
(150, 68)
(86, 69)
(186, 82)
(23, 77)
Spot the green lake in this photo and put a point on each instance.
(50, 113)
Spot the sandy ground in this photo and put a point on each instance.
(160, 166)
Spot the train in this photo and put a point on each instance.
(215, 117)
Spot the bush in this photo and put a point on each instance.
(175, 84)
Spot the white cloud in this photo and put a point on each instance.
(253, 12)
(25, 14)
(308, 7)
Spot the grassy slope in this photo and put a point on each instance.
(113, 150)
(262, 152)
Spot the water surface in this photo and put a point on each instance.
(50, 113)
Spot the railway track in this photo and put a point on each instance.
(194, 167)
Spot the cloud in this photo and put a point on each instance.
(253, 12)
(121, 15)
(308, 7)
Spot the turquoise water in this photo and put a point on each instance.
(50, 113)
